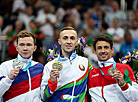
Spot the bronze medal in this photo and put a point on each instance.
(17, 64)
(112, 70)
(57, 65)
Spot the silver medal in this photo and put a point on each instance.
(17, 64)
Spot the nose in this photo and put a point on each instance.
(25, 48)
(69, 41)
(102, 50)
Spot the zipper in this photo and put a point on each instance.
(30, 98)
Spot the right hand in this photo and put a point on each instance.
(14, 72)
(54, 74)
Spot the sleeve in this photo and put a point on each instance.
(90, 65)
(5, 82)
(52, 18)
(47, 86)
(130, 89)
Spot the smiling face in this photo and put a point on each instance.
(68, 41)
(103, 50)
(26, 47)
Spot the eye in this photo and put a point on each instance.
(29, 44)
(106, 47)
(21, 44)
(65, 37)
(72, 37)
(99, 47)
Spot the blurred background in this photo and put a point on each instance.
(45, 18)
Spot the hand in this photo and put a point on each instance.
(54, 74)
(14, 72)
(47, 20)
(10, 28)
(119, 77)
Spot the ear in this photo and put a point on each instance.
(59, 41)
(112, 51)
(16, 48)
(35, 47)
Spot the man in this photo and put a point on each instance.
(68, 84)
(120, 85)
(46, 21)
(22, 85)
(129, 44)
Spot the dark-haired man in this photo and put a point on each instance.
(111, 81)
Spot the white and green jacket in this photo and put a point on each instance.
(71, 84)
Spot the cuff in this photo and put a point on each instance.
(8, 80)
(124, 86)
(52, 85)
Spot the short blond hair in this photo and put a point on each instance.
(68, 28)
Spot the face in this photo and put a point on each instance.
(68, 41)
(103, 50)
(19, 25)
(26, 47)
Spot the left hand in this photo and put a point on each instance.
(119, 77)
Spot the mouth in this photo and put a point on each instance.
(25, 53)
(103, 55)
(68, 46)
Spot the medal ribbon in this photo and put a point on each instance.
(70, 60)
(114, 66)
(25, 69)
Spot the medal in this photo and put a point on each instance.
(57, 65)
(112, 70)
(17, 64)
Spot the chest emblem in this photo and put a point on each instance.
(82, 68)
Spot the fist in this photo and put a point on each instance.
(14, 72)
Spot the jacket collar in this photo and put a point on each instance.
(106, 63)
(24, 60)
(71, 57)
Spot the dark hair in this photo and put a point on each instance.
(102, 38)
(105, 25)
(127, 33)
(25, 33)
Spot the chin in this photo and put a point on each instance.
(70, 50)
(103, 59)
(25, 57)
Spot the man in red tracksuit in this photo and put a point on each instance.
(106, 85)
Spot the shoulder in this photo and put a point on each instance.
(82, 58)
(34, 63)
(51, 62)
(122, 67)
(6, 66)
(7, 62)
(94, 71)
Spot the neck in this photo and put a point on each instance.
(65, 54)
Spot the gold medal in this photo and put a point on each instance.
(17, 64)
(112, 70)
(57, 65)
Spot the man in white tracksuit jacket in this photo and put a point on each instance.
(22, 85)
